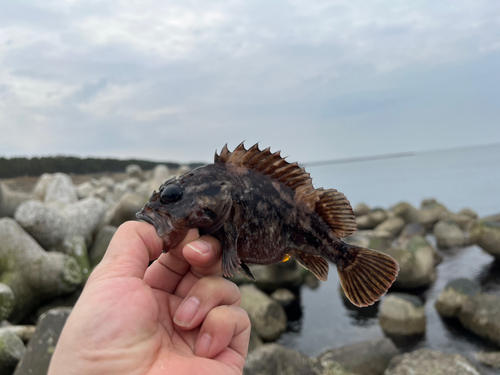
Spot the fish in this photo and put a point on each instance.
(264, 210)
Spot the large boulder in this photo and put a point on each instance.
(274, 276)
(410, 230)
(372, 219)
(431, 212)
(491, 359)
(24, 332)
(12, 350)
(42, 345)
(33, 274)
(7, 301)
(364, 358)
(267, 316)
(124, 210)
(10, 200)
(449, 234)
(481, 315)
(60, 191)
(134, 171)
(371, 239)
(101, 244)
(274, 359)
(430, 362)
(417, 260)
(486, 234)
(402, 315)
(161, 173)
(407, 212)
(393, 226)
(84, 216)
(454, 295)
(361, 209)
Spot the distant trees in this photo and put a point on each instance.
(14, 167)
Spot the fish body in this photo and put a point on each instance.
(263, 210)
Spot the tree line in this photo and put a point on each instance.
(20, 166)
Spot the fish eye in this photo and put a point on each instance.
(170, 194)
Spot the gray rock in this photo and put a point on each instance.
(124, 210)
(283, 296)
(279, 275)
(449, 234)
(491, 359)
(84, 216)
(106, 181)
(402, 314)
(12, 350)
(393, 226)
(431, 212)
(430, 362)
(10, 200)
(161, 173)
(33, 274)
(102, 192)
(7, 301)
(101, 244)
(417, 260)
(41, 185)
(132, 183)
(85, 189)
(462, 220)
(480, 314)
(361, 209)
(371, 220)
(76, 247)
(364, 358)
(495, 218)
(267, 316)
(60, 190)
(46, 225)
(454, 295)
(133, 170)
(410, 230)
(40, 348)
(486, 234)
(468, 212)
(407, 212)
(255, 341)
(274, 359)
(24, 332)
(376, 240)
(182, 170)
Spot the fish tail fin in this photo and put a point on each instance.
(365, 275)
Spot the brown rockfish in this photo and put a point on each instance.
(263, 210)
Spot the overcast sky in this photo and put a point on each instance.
(175, 80)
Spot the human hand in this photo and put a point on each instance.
(178, 316)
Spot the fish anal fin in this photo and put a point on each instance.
(336, 211)
(230, 260)
(367, 275)
(314, 263)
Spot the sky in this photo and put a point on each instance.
(176, 80)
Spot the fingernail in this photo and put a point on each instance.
(200, 246)
(186, 312)
(203, 345)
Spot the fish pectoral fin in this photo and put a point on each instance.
(314, 263)
(230, 260)
(246, 271)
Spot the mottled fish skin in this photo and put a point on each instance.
(260, 218)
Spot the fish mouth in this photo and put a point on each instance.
(162, 225)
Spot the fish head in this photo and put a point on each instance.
(187, 202)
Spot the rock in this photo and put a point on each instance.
(364, 358)
(85, 189)
(12, 350)
(24, 332)
(283, 296)
(60, 190)
(255, 341)
(41, 185)
(431, 212)
(33, 274)
(101, 244)
(462, 220)
(10, 200)
(402, 314)
(468, 212)
(84, 216)
(6, 301)
(106, 181)
(161, 173)
(480, 314)
(376, 240)
(267, 316)
(361, 209)
(124, 210)
(410, 230)
(454, 295)
(486, 234)
(46, 225)
(40, 348)
(274, 359)
(102, 192)
(279, 275)
(491, 359)
(407, 212)
(417, 260)
(311, 281)
(371, 220)
(393, 226)
(495, 218)
(76, 247)
(430, 362)
(135, 171)
(449, 234)
(132, 183)
(182, 170)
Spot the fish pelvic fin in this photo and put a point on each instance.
(336, 211)
(366, 275)
(314, 263)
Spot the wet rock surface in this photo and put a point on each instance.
(454, 295)
(481, 315)
(486, 234)
(12, 351)
(402, 315)
(449, 234)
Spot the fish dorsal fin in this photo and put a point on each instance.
(274, 166)
(336, 210)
